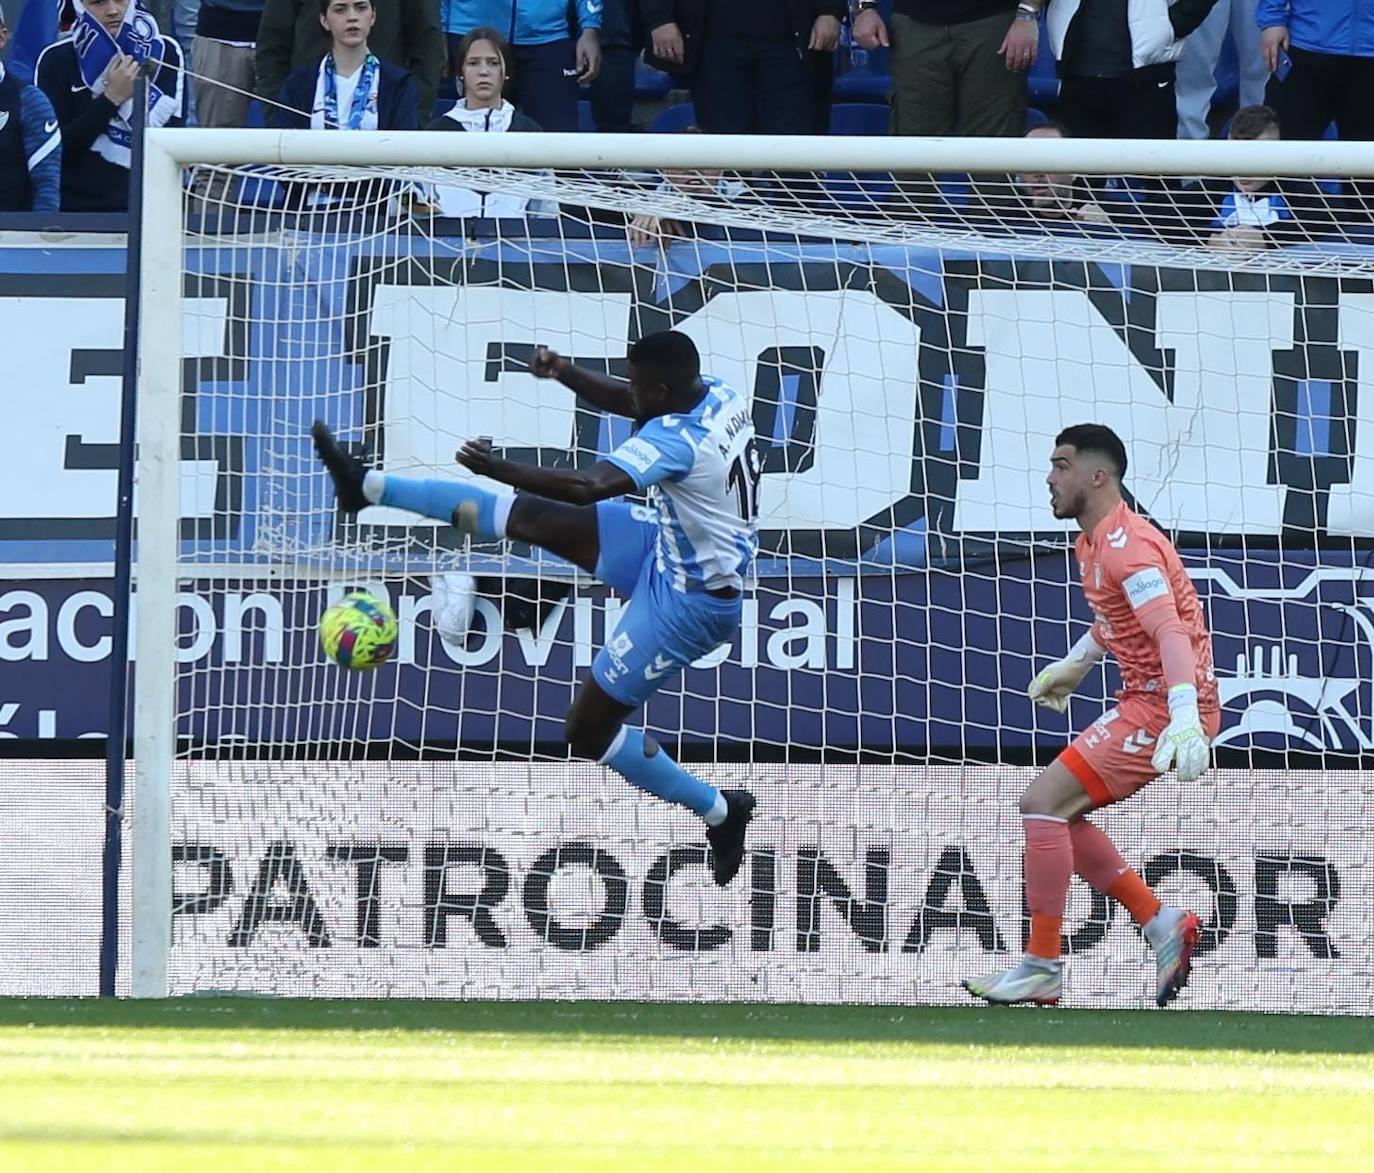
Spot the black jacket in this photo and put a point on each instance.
(690, 18)
(407, 34)
(90, 182)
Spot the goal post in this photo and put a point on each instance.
(419, 831)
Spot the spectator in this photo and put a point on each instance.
(1197, 65)
(30, 143)
(91, 89)
(406, 33)
(748, 64)
(484, 61)
(546, 63)
(957, 67)
(1254, 214)
(350, 89)
(1051, 198)
(1117, 65)
(223, 52)
(1321, 57)
(707, 187)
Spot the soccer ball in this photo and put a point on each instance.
(359, 631)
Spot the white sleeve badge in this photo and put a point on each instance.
(1145, 585)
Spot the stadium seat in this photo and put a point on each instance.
(1035, 118)
(585, 121)
(674, 119)
(256, 116)
(443, 106)
(868, 77)
(651, 85)
(859, 118)
(1227, 75)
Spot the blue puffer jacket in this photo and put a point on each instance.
(521, 22)
(1323, 26)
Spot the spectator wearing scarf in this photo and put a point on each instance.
(89, 77)
(350, 89)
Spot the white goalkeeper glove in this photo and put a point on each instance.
(1183, 744)
(1055, 683)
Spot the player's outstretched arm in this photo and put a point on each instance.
(1055, 683)
(580, 486)
(609, 394)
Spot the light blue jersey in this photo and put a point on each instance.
(701, 470)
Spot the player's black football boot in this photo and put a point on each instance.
(726, 851)
(346, 469)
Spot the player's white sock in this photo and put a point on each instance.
(1049, 964)
(374, 485)
(500, 513)
(716, 815)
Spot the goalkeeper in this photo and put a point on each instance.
(683, 564)
(1149, 617)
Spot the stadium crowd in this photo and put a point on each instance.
(1250, 69)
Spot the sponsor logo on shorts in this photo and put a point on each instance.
(1144, 585)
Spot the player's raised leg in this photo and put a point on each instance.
(570, 531)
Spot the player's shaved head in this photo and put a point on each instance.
(669, 355)
(1096, 440)
(665, 374)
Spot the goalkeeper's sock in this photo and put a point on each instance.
(657, 773)
(1049, 867)
(1097, 860)
(485, 516)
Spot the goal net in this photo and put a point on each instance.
(910, 344)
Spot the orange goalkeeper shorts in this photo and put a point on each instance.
(1111, 758)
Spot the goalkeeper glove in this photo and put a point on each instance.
(1055, 683)
(1183, 744)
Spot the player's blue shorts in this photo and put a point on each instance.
(661, 630)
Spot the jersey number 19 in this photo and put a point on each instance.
(745, 474)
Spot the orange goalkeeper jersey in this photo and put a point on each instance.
(1133, 579)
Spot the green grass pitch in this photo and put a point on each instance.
(206, 1085)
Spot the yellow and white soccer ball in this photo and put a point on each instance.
(359, 631)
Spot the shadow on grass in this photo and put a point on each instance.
(947, 1026)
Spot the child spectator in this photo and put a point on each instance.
(350, 89)
(89, 78)
(544, 58)
(30, 143)
(484, 61)
(1255, 214)
(406, 34)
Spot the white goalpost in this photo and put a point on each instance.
(912, 321)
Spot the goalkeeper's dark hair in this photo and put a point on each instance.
(670, 354)
(1097, 439)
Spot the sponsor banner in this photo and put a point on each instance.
(905, 399)
(864, 884)
(925, 660)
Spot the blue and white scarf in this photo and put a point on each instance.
(362, 110)
(96, 51)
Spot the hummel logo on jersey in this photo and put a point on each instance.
(4, 119)
(661, 666)
(1117, 538)
(1137, 741)
(49, 126)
